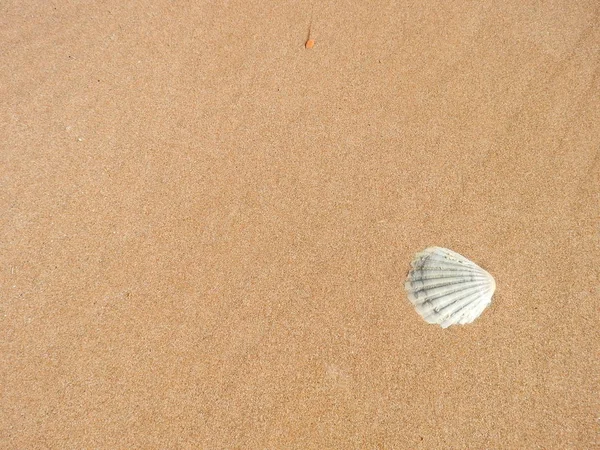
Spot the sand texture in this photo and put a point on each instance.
(205, 224)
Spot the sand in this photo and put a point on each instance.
(205, 226)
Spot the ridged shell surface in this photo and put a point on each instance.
(448, 289)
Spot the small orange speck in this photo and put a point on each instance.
(310, 43)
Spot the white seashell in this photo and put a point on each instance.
(448, 289)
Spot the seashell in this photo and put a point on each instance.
(448, 289)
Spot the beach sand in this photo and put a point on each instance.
(206, 225)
